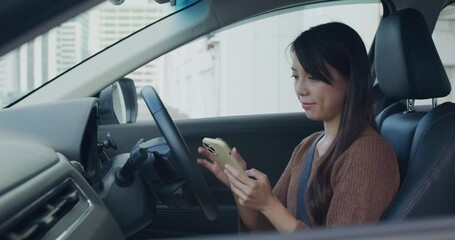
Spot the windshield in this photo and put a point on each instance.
(34, 63)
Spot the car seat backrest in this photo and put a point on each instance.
(399, 130)
(408, 67)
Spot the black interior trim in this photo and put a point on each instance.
(22, 20)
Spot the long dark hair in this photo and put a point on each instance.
(339, 46)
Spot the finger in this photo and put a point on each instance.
(236, 153)
(259, 178)
(233, 179)
(238, 157)
(203, 151)
(238, 192)
(241, 176)
(255, 174)
(204, 163)
(244, 188)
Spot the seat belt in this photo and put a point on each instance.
(302, 214)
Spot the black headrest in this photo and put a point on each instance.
(407, 63)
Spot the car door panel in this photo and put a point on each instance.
(265, 141)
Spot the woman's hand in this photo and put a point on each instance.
(252, 189)
(213, 167)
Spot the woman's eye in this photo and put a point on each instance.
(311, 77)
(295, 77)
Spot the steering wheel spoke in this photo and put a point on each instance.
(196, 183)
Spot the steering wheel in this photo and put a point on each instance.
(191, 172)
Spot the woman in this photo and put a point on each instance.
(354, 173)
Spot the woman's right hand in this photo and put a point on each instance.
(213, 167)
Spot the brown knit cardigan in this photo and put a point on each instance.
(364, 180)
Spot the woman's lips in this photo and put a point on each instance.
(307, 106)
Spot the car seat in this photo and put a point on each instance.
(408, 67)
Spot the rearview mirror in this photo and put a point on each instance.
(118, 103)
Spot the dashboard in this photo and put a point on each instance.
(42, 193)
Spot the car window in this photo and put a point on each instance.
(52, 53)
(245, 69)
(444, 39)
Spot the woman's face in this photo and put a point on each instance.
(321, 101)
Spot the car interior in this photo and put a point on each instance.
(423, 140)
(76, 163)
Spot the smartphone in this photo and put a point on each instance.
(221, 153)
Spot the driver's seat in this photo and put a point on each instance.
(408, 67)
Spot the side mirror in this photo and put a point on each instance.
(118, 102)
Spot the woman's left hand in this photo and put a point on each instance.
(252, 189)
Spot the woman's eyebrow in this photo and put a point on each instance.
(293, 69)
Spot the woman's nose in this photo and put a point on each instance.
(301, 87)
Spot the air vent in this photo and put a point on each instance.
(36, 219)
